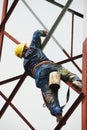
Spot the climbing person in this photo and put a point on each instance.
(46, 73)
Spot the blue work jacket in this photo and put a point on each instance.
(34, 54)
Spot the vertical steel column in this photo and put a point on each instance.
(72, 32)
(84, 86)
(4, 10)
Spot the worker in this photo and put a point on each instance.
(46, 73)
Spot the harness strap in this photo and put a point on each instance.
(39, 64)
(67, 97)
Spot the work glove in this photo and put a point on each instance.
(43, 33)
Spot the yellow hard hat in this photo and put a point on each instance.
(19, 50)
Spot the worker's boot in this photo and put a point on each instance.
(54, 80)
(77, 82)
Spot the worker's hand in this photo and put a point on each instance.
(43, 33)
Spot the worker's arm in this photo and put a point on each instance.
(36, 39)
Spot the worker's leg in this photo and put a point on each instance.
(69, 76)
(51, 100)
(50, 96)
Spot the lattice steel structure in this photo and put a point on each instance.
(82, 92)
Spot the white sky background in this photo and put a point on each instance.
(28, 100)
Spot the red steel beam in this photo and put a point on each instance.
(84, 84)
(69, 10)
(12, 94)
(70, 59)
(4, 10)
(69, 112)
(10, 79)
(11, 37)
(18, 112)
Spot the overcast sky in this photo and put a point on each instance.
(28, 100)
